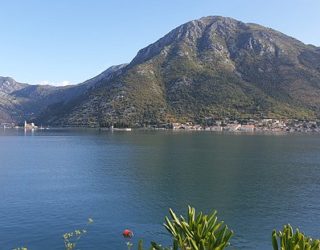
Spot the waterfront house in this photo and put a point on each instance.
(247, 128)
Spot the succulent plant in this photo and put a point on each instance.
(198, 231)
(287, 239)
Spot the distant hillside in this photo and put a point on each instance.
(211, 67)
(9, 107)
(21, 102)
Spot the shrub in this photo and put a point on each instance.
(198, 231)
(71, 239)
(288, 240)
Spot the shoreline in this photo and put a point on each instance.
(235, 132)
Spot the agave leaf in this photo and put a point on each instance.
(274, 240)
(174, 217)
(140, 245)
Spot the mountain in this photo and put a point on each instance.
(8, 103)
(210, 67)
(20, 101)
(9, 85)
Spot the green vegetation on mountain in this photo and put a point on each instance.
(211, 67)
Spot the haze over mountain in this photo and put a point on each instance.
(210, 67)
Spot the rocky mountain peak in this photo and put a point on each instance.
(9, 85)
(225, 38)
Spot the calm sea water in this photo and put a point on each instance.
(52, 181)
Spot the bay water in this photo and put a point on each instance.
(52, 181)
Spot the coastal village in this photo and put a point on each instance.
(221, 125)
(252, 125)
(26, 126)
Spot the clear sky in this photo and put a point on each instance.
(69, 41)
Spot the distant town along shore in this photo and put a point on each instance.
(252, 125)
(219, 125)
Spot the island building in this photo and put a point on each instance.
(29, 125)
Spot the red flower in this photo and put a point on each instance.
(127, 233)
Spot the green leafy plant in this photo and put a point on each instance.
(198, 231)
(155, 246)
(71, 239)
(202, 232)
(287, 239)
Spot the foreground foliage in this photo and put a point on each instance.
(201, 232)
(198, 232)
(71, 238)
(289, 240)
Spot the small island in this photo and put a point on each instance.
(29, 126)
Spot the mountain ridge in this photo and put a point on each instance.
(22, 101)
(209, 67)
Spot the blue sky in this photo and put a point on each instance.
(69, 41)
